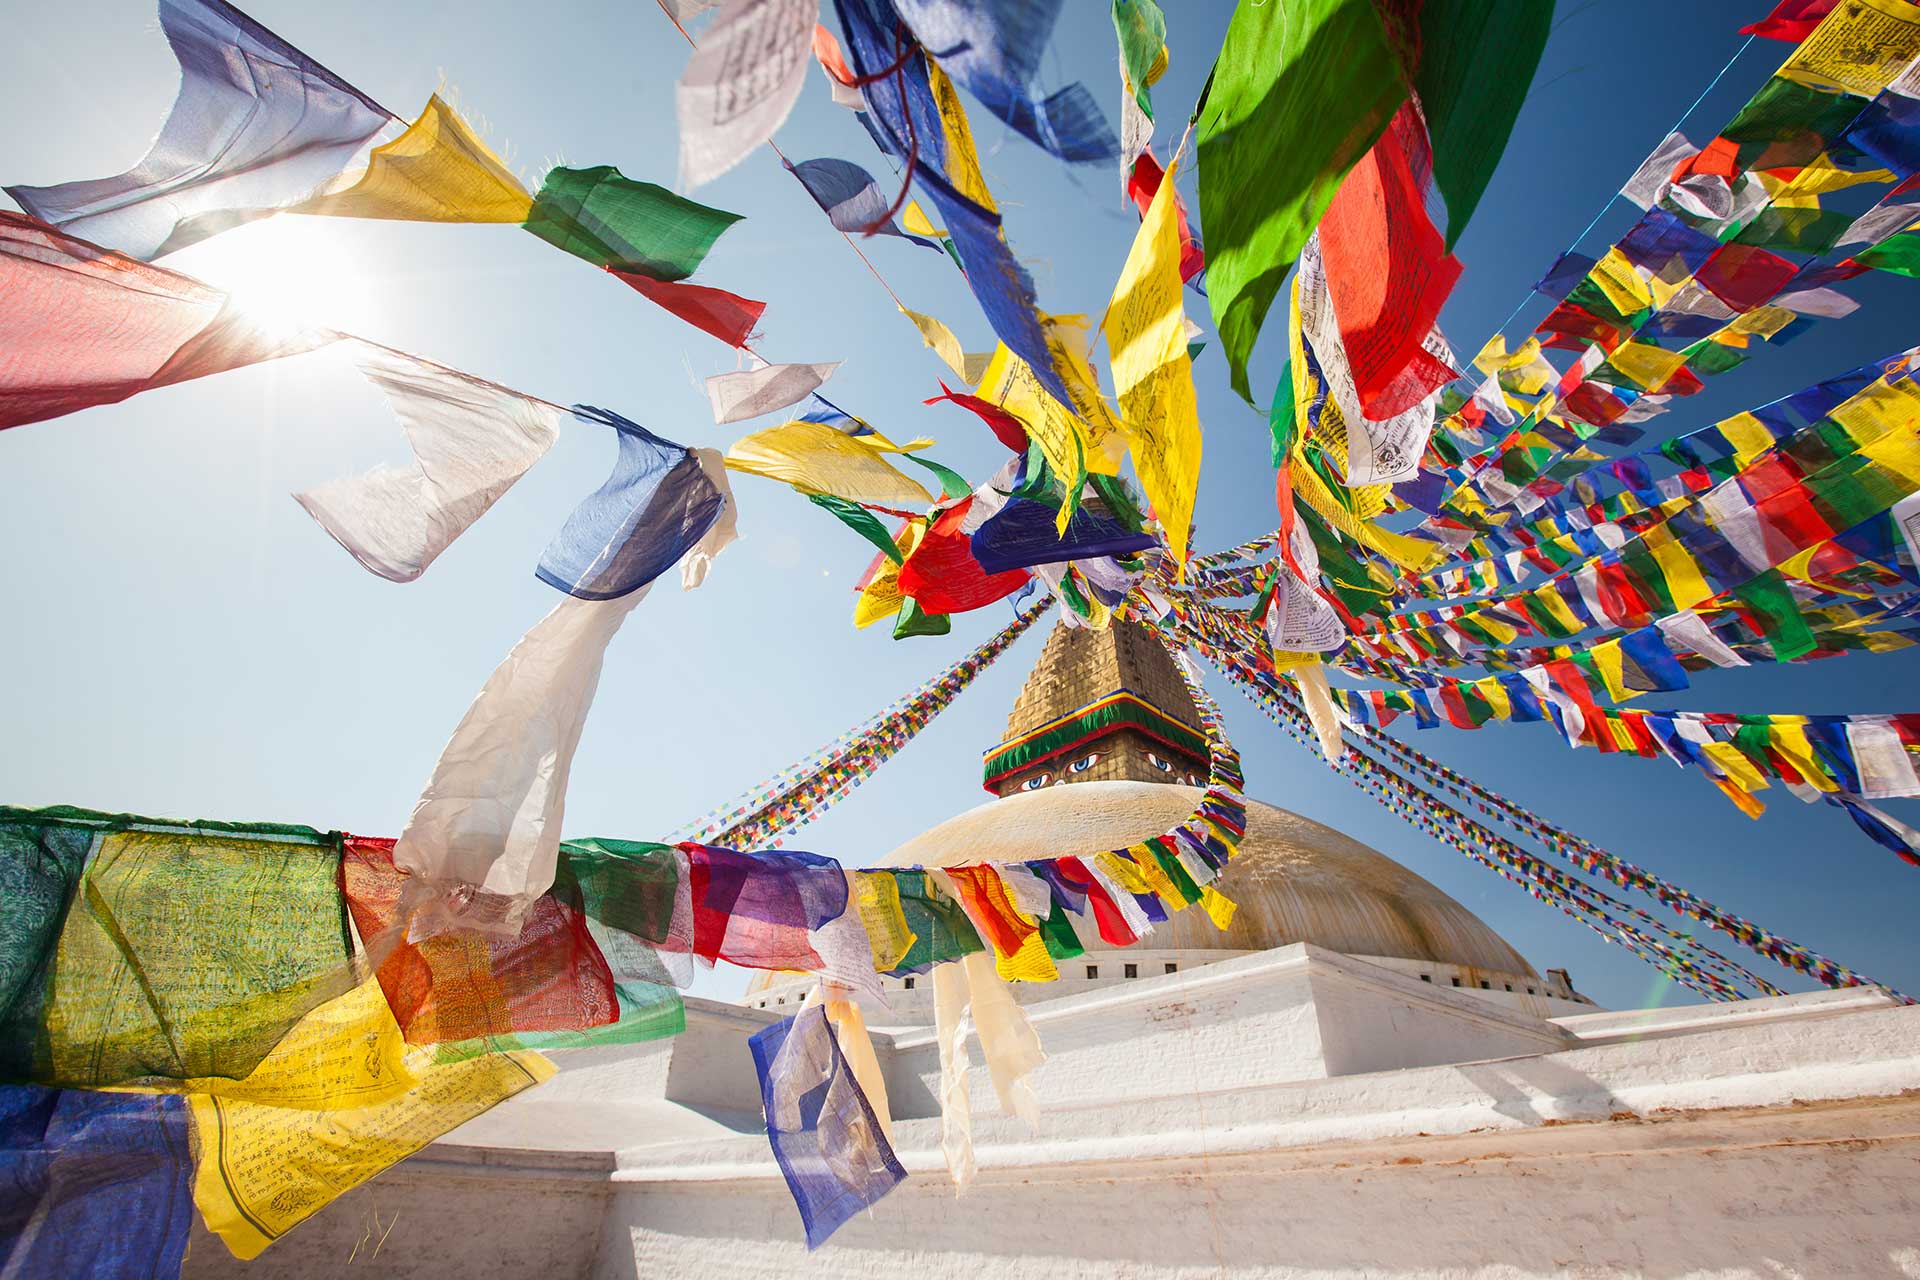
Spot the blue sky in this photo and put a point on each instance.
(183, 641)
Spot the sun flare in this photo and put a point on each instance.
(289, 272)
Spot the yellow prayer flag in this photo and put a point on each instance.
(881, 597)
(1411, 554)
(1620, 283)
(1649, 366)
(915, 220)
(1858, 48)
(1788, 736)
(263, 1169)
(969, 367)
(877, 897)
(1218, 906)
(347, 1053)
(963, 161)
(1877, 409)
(437, 171)
(1152, 376)
(815, 458)
(1748, 436)
(1684, 581)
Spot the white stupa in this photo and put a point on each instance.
(1358, 1078)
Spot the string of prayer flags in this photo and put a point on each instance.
(257, 126)
(993, 49)
(471, 441)
(826, 1136)
(659, 504)
(852, 200)
(1152, 374)
(85, 326)
(744, 77)
(917, 114)
(96, 1184)
(439, 170)
(761, 817)
(815, 458)
(1299, 93)
(752, 393)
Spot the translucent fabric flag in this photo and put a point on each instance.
(1477, 59)
(752, 393)
(251, 1193)
(851, 199)
(437, 171)
(482, 840)
(658, 503)
(638, 228)
(758, 909)
(93, 1184)
(993, 48)
(969, 367)
(1141, 30)
(186, 951)
(1143, 184)
(825, 1134)
(1388, 272)
(471, 441)
(814, 458)
(83, 326)
(1384, 451)
(727, 316)
(466, 985)
(1152, 376)
(1655, 173)
(1022, 535)
(744, 77)
(917, 112)
(1300, 92)
(257, 126)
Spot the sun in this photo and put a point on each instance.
(288, 273)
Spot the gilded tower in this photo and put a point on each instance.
(1100, 706)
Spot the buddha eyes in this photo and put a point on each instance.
(1084, 763)
(1036, 782)
(1164, 766)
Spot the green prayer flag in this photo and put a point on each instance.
(952, 483)
(612, 221)
(1300, 92)
(912, 620)
(1281, 418)
(1899, 254)
(1477, 59)
(1778, 615)
(862, 522)
(1142, 30)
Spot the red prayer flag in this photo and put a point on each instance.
(727, 316)
(82, 326)
(1388, 270)
(942, 574)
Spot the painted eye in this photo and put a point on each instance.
(1036, 782)
(1084, 763)
(1164, 766)
(1193, 780)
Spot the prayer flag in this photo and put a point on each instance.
(1299, 93)
(471, 441)
(743, 79)
(257, 126)
(439, 170)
